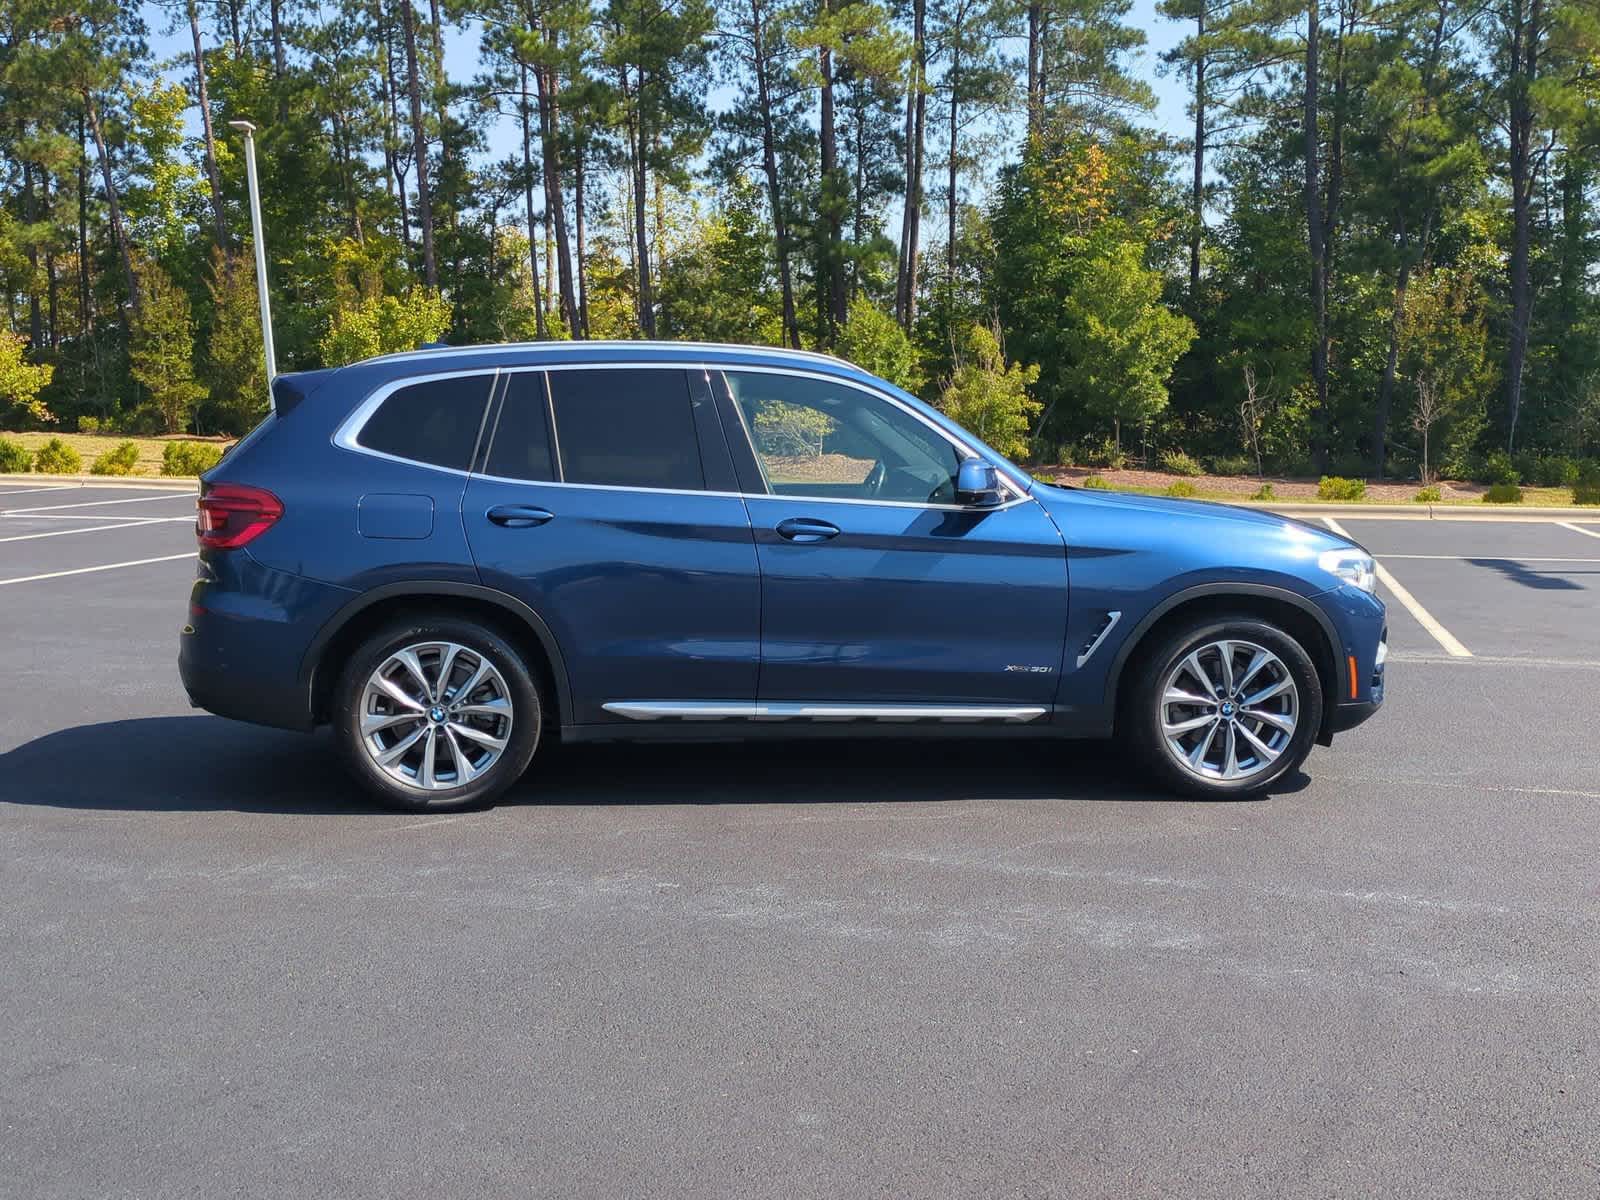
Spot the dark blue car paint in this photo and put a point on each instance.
(632, 594)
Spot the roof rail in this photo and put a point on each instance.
(432, 350)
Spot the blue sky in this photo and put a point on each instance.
(461, 58)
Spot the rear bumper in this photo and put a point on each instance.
(248, 627)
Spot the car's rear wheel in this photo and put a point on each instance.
(1225, 708)
(436, 713)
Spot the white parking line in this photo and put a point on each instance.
(1443, 636)
(17, 512)
(60, 487)
(1578, 529)
(137, 562)
(89, 517)
(1521, 558)
(28, 537)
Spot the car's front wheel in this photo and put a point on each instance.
(1225, 707)
(436, 713)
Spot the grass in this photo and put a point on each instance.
(91, 446)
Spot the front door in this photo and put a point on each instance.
(876, 587)
(595, 505)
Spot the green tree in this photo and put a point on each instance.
(874, 341)
(161, 354)
(370, 325)
(237, 372)
(990, 396)
(21, 382)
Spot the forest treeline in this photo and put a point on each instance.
(1374, 252)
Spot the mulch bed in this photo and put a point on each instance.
(1245, 486)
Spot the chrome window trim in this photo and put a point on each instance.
(819, 710)
(349, 431)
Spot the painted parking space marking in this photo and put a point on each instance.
(1578, 529)
(28, 537)
(1521, 558)
(17, 512)
(28, 516)
(1443, 636)
(59, 487)
(137, 562)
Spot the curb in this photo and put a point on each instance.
(1434, 512)
(148, 482)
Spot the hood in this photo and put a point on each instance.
(1225, 519)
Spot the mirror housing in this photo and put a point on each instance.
(977, 484)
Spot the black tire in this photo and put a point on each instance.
(526, 718)
(1142, 708)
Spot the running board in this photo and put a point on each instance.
(723, 710)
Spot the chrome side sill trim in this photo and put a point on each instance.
(1095, 645)
(725, 710)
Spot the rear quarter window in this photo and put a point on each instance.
(436, 421)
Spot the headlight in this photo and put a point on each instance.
(1352, 566)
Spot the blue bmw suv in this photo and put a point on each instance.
(454, 555)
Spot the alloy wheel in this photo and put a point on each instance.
(1228, 710)
(435, 715)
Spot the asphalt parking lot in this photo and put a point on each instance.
(873, 970)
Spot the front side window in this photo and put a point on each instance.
(435, 421)
(816, 437)
(626, 428)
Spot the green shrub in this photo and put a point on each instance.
(1337, 487)
(15, 458)
(1587, 489)
(1555, 471)
(1176, 462)
(1232, 464)
(1498, 468)
(189, 458)
(1428, 495)
(89, 424)
(1264, 492)
(55, 457)
(1503, 493)
(1094, 483)
(1182, 489)
(118, 461)
(1105, 454)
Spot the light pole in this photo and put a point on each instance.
(246, 128)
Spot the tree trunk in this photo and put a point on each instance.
(113, 202)
(911, 218)
(395, 160)
(52, 293)
(1380, 424)
(950, 187)
(30, 215)
(834, 309)
(85, 291)
(1035, 61)
(544, 79)
(1315, 242)
(578, 207)
(542, 330)
(1526, 36)
(419, 145)
(275, 17)
(769, 167)
(213, 176)
(1197, 215)
(635, 133)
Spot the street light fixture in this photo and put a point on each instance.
(246, 128)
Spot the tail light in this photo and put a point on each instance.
(232, 514)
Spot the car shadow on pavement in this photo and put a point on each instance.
(204, 764)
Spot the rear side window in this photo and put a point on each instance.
(521, 445)
(626, 428)
(435, 422)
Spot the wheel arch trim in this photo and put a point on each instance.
(1223, 591)
(513, 608)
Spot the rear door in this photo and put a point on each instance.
(877, 588)
(605, 500)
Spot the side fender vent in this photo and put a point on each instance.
(1107, 624)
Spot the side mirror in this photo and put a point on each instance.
(977, 484)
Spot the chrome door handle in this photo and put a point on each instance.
(519, 516)
(807, 529)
